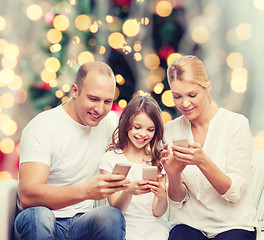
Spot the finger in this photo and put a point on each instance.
(113, 177)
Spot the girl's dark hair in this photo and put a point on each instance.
(139, 104)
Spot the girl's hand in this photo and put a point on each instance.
(194, 155)
(138, 187)
(157, 188)
(170, 163)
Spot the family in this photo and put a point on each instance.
(68, 153)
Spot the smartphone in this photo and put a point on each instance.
(150, 173)
(121, 169)
(183, 142)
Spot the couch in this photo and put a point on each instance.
(8, 197)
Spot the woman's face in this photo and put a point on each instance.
(189, 98)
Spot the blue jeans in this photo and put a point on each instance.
(39, 223)
(184, 232)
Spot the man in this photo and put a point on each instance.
(58, 175)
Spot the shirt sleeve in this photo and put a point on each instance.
(179, 205)
(239, 160)
(36, 145)
(106, 163)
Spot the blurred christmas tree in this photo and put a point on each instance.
(135, 38)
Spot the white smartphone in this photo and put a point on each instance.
(121, 169)
(150, 173)
(183, 142)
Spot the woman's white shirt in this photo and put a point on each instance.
(229, 145)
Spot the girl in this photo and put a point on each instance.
(208, 178)
(135, 141)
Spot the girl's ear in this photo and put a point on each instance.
(74, 90)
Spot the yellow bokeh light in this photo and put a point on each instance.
(7, 145)
(127, 49)
(11, 50)
(163, 8)
(66, 87)
(3, 44)
(7, 100)
(172, 57)
(102, 50)
(167, 99)
(239, 84)
(240, 72)
(152, 80)
(138, 56)
(8, 62)
(158, 88)
(2, 23)
(120, 79)
(94, 28)
(85, 57)
(122, 103)
(7, 75)
(16, 83)
(55, 47)
(61, 22)
(144, 21)
(65, 99)
(234, 60)
(47, 76)
(259, 141)
(5, 176)
(151, 61)
(259, 4)
(131, 27)
(34, 12)
(9, 127)
(109, 19)
(116, 40)
(59, 94)
(92, 42)
(166, 117)
(52, 64)
(54, 36)
(244, 31)
(82, 22)
(117, 93)
(200, 34)
(137, 46)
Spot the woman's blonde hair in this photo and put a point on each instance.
(190, 69)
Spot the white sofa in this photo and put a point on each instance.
(8, 196)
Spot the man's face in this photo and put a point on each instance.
(94, 101)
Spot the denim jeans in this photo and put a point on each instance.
(39, 223)
(184, 232)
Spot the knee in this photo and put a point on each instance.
(110, 216)
(35, 217)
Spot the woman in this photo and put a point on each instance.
(207, 179)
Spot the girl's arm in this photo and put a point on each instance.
(160, 203)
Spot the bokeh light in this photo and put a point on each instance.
(259, 141)
(163, 8)
(172, 57)
(2, 23)
(131, 27)
(234, 60)
(7, 100)
(34, 12)
(166, 117)
(85, 57)
(54, 36)
(82, 22)
(167, 99)
(244, 31)
(116, 40)
(61, 22)
(7, 145)
(122, 103)
(200, 34)
(52, 64)
(151, 61)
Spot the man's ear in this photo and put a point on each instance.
(74, 90)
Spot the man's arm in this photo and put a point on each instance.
(34, 190)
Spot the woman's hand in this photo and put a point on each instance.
(193, 155)
(170, 163)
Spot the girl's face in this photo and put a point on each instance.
(142, 131)
(189, 98)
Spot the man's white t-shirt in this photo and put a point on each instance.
(71, 150)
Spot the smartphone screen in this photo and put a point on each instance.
(121, 169)
(150, 173)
